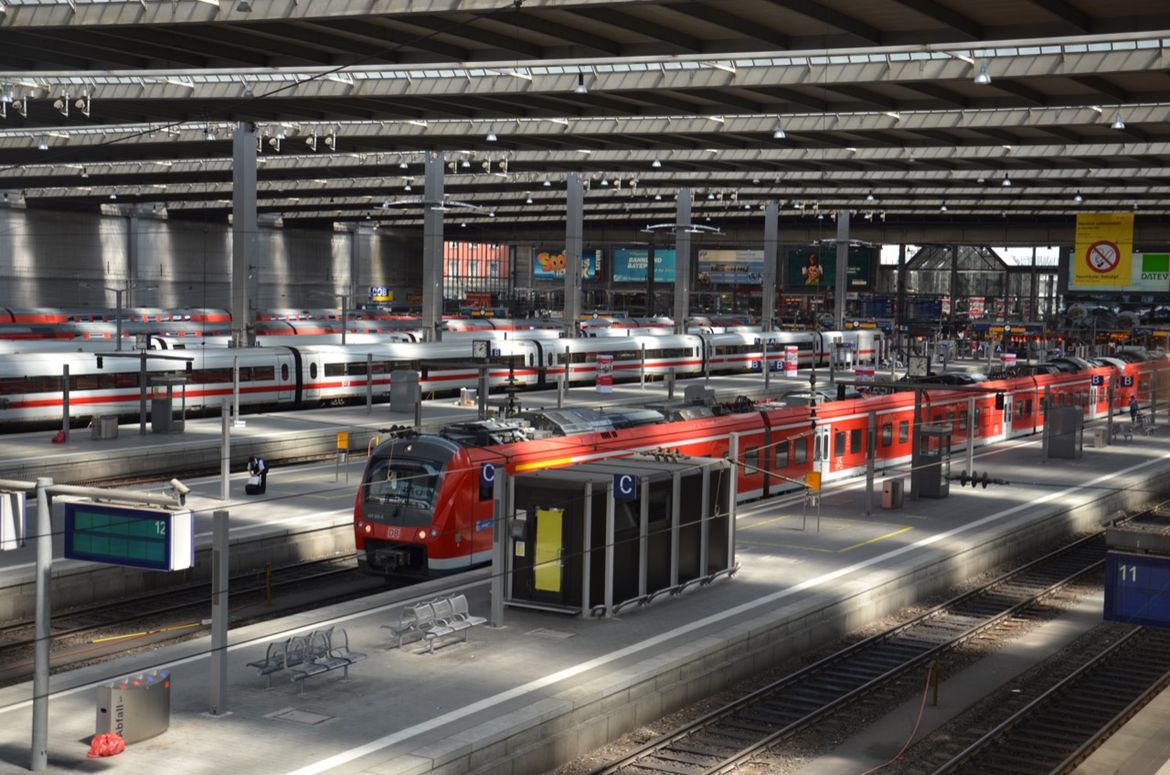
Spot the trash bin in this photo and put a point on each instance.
(105, 427)
(137, 707)
(1099, 437)
(892, 494)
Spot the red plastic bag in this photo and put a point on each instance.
(59, 438)
(108, 744)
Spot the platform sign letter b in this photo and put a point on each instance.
(625, 487)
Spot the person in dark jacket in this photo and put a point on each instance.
(1133, 409)
(257, 469)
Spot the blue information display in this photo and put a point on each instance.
(125, 535)
(1137, 589)
(629, 265)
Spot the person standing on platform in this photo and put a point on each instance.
(257, 476)
(1133, 409)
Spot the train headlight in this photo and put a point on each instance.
(434, 533)
(367, 528)
(422, 535)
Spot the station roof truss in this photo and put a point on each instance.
(898, 111)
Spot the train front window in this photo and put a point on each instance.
(407, 482)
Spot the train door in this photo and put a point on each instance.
(1008, 407)
(822, 450)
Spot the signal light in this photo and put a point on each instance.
(999, 400)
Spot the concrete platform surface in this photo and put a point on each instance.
(544, 688)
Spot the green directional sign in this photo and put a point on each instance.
(126, 535)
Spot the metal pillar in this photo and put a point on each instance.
(768, 282)
(953, 286)
(870, 453)
(44, 572)
(574, 229)
(219, 612)
(971, 433)
(65, 401)
(841, 286)
(682, 261)
(499, 544)
(245, 234)
(225, 452)
(432, 302)
(900, 295)
(142, 388)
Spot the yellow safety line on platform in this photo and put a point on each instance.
(145, 633)
(875, 540)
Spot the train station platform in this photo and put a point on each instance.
(544, 688)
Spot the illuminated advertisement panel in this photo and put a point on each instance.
(730, 267)
(629, 265)
(550, 264)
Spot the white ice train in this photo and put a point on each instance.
(298, 375)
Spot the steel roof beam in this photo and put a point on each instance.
(672, 39)
(831, 17)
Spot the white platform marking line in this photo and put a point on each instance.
(388, 740)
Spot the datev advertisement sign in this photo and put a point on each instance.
(629, 265)
(1149, 273)
(550, 265)
(731, 267)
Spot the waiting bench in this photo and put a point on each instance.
(433, 621)
(305, 656)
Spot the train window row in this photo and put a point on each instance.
(631, 355)
(129, 379)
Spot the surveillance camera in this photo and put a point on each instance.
(179, 487)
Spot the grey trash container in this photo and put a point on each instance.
(105, 427)
(137, 707)
(892, 494)
(405, 392)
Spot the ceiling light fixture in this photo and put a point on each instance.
(547, 183)
(604, 181)
(658, 197)
(778, 133)
(870, 197)
(581, 87)
(1007, 182)
(402, 165)
(528, 201)
(43, 144)
(407, 187)
(466, 163)
(209, 134)
(983, 78)
(491, 135)
(1078, 198)
(1117, 124)
(943, 207)
(244, 6)
(656, 163)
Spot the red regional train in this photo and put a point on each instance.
(420, 510)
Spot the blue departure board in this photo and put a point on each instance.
(126, 535)
(1137, 589)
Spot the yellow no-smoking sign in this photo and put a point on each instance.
(1104, 249)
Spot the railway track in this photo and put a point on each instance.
(102, 631)
(1061, 727)
(725, 738)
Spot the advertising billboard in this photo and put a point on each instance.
(550, 264)
(1103, 256)
(730, 267)
(815, 268)
(629, 265)
(1148, 273)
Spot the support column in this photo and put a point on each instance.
(1033, 291)
(574, 228)
(358, 236)
(245, 235)
(432, 309)
(842, 284)
(954, 286)
(682, 261)
(768, 281)
(900, 292)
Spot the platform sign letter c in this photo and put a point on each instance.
(487, 481)
(625, 487)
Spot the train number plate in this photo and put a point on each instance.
(393, 532)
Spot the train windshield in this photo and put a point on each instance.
(403, 481)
